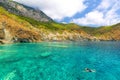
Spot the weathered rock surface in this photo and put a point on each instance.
(14, 30)
(23, 10)
(2, 33)
(66, 36)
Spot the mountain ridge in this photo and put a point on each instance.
(17, 29)
(23, 10)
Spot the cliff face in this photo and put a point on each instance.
(107, 33)
(23, 10)
(2, 33)
(65, 35)
(112, 35)
(14, 28)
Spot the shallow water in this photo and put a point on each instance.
(60, 61)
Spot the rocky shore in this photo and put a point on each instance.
(21, 24)
(10, 34)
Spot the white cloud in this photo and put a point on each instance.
(91, 18)
(105, 4)
(57, 9)
(104, 14)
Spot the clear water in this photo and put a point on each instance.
(60, 61)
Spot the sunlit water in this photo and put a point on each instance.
(60, 61)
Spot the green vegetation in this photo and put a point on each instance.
(56, 26)
(14, 17)
(50, 25)
(46, 25)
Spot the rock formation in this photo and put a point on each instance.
(35, 26)
(23, 10)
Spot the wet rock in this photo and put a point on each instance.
(45, 54)
(1, 42)
(23, 40)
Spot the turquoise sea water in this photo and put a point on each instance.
(60, 61)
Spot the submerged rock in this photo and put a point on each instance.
(45, 54)
(10, 75)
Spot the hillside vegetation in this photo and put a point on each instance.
(20, 30)
(16, 28)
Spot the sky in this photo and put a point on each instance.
(93, 13)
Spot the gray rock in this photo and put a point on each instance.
(23, 10)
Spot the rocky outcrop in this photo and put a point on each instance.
(13, 29)
(107, 33)
(2, 33)
(23, 10)
(11, 34)
(66, 35)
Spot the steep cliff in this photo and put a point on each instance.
(110, 33)
(23, 10)
(15, 28)
(104, 33)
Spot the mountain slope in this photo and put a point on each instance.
(23, 10)
(20, 30)
(104, 33)
(16, 28)
(109, 32)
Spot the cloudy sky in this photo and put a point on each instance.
(83, 12)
